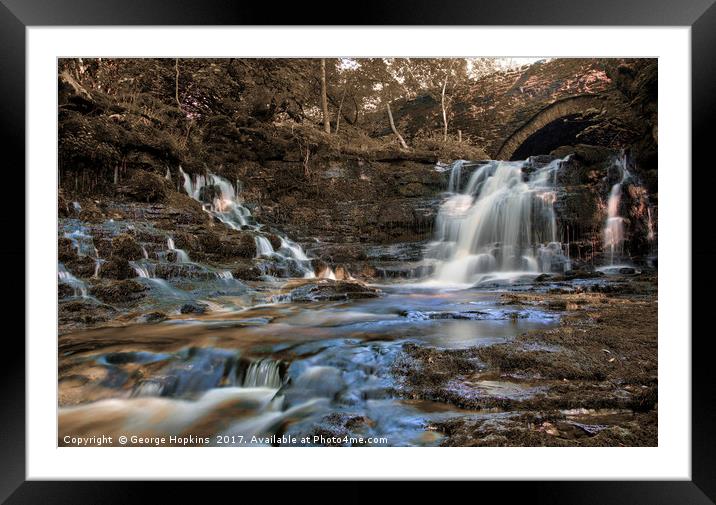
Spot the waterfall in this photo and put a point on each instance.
(145, 271)
(141, 270)
(263, 246)
(219, 198)
(327, 273)
(65, 277)
(650, 225)
(502, 221)
(263, 373)
(614, 225)
(455, 176)
(181, 255)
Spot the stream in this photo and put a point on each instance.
(250, 363)
(299, 370)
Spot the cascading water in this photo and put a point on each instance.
(263, 373)
(263, 246)
(146, 271)
(181, 255)
(502, 221)
(614, 225)
(65, 277)
(219, 198)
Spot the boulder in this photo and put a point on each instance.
(328, 290)
(194, 308)
(275, 241)
(116, 268)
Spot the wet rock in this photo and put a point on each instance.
(91, 212)
(627, 271)
(326, 289)
(81, 266)
(116, 268)
(321, 268)
(153, 317)
(82, 313)
(582, 274)
(471, 315)
(194, 308)
(207, 194)
(124, 246)
(114, 292)
(246, 273)
(65, 290)
(66, 252)
(275, 241)
(246, 247)
(342, 273)
(63, 206)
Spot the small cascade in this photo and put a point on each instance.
(82, 241)
(263, 373)
(224, 275)
(146, 270)
(455, 176)
(145, 254)
(650, 225)
(181, 255)
(502, 221)
(263, 246)
(97, 264)
(327, 273)
(141, 270)
(65, 277)
(614, 225)
(219, 198)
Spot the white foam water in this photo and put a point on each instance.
(502, 222)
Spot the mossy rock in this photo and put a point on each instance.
(116, 268)
(124, 246)
(117, 291)
(65, 250)
(147, 187)
(275, 241)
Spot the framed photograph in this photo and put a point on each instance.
(388, 251)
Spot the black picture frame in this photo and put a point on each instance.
(17, 15)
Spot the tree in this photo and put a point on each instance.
(176, 83)
(395, 130)
(324, 98)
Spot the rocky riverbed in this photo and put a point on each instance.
(552, 362)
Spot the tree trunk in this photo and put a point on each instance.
(395, 131)
(324, 98)
(176, 83)
(442, 104)
(340, 107)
